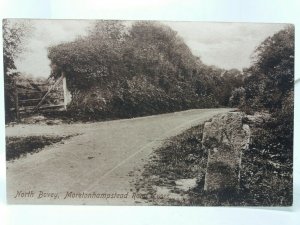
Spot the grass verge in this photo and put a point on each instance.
(266, 173)
(20, 146)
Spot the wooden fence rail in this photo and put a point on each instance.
(31, 100)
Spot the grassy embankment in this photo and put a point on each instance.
(21, 146)
(266, 174)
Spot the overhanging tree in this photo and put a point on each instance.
(15, 34)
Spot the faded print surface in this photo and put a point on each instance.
(148, 113)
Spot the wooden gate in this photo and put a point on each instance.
(39, 97)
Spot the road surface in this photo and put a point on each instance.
(93, 167)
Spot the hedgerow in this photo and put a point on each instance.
(142, 69)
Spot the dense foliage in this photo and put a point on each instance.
(269, 87)
(270, 83)
(14, 37)
(271, 77)
(142, 69)
(266, 177)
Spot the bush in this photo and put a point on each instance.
(145, 69)
(237, 97)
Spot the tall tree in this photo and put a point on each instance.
(15, 33)
(270, 84)
(271, 77)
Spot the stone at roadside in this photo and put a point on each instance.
(258, 118)
(34, 119)
(186, 184)
(53, 122)
(225, 138)
(164, 191)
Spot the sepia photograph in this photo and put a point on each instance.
(150, 113)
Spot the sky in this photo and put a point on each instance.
(226, 45)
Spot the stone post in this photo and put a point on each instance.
(67, 93)
(225, 138)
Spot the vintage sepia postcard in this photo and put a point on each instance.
(105, 112)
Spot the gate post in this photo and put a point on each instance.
(16, 98)
(67, 93)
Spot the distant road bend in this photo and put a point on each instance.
(99, 160)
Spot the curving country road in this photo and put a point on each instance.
(93, 167)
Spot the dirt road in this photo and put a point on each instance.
(93, 167)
